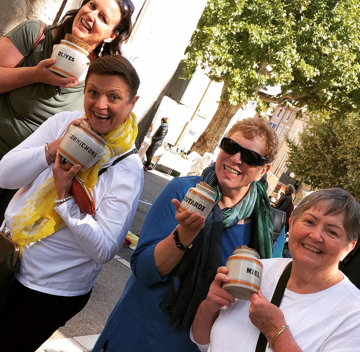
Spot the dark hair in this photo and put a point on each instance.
(116, 65)
(334, 201)
(123, 29)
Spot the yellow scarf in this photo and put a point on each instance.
(38, 219)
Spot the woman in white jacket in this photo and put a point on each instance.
(62, 248)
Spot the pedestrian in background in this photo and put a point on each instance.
(286, 200)
(285, 204)
(156, 142)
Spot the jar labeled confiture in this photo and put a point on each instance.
(245, 270)
(199, 199)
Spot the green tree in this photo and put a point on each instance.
(328, 153)
(308, 47)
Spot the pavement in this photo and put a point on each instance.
(81, 332)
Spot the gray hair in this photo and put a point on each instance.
(336, 201)
(291, 188)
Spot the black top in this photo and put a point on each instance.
(284, 202)
(160, 134)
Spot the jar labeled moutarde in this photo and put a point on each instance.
(199, 199)
(245, 270)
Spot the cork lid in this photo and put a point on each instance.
(77, 41)
(206, 186)
(95, 135)
(246, 247)
(248, 250)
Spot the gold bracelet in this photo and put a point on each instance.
(48, 150)
(60, 201)
(281, 330)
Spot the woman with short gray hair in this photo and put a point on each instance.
(320, 307)
(338, 201)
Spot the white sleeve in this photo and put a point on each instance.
(102, 236)
(202, 348)
(25, 162)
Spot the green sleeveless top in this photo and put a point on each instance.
(24, 109)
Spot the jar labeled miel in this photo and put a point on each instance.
(245, 270)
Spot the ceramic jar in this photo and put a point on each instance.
(245, 270)
(199, 199)
(71, 60)
(82, 146)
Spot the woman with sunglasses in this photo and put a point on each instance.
(178, 253)
(29, 92)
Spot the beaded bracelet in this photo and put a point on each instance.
(178, 242)
(281, 330)
(60, 201)
(48, 150)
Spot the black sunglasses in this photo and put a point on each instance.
(129, 6)
(248, 156)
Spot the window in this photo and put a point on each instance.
(296, 133)
(280, 164)
(279, 129)
(287, 116)
(286, 130)
(278, 114)
(273, 125)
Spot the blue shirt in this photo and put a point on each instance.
(137, 324)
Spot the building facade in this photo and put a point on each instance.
(285, 123)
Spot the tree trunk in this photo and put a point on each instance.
(210, 138)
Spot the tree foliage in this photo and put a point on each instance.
(327, 154)
(308, 47)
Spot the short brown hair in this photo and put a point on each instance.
(116, 65)
(251, 128)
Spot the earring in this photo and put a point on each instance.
(101, 49)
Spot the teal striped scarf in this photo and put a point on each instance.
(197, 268)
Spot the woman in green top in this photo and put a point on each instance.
(29, 92)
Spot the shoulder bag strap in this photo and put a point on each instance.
(122, 157)
(41, 35)
(276, 299)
